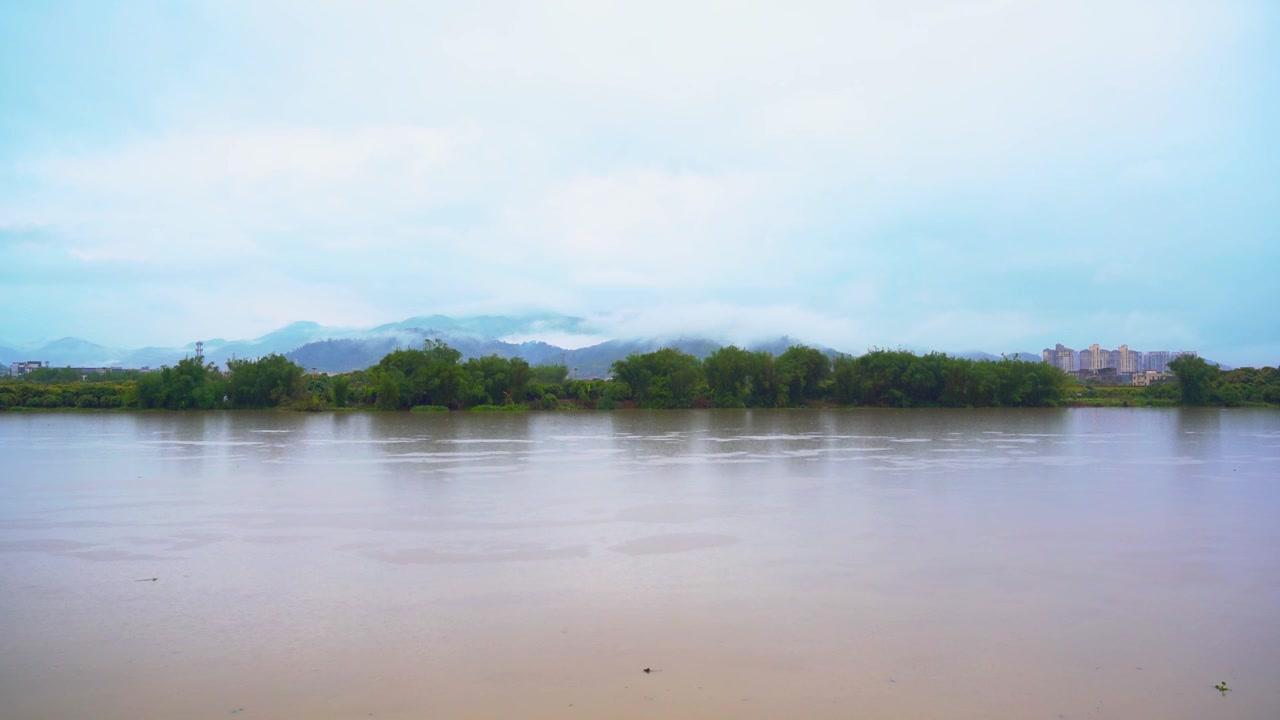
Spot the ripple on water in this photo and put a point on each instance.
(733, 458)
(115, 555)
(202, 443)
(478, 441)
(379, 441)
(434, 556)
(1165, 461)
(479, 469)
(42, 545)
(669, 543)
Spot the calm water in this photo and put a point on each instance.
(862, 564)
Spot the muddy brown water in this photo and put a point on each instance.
(1083, 563)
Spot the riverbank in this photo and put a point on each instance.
(623, 408)
(434, 379)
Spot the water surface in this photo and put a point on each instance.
(1084, 563)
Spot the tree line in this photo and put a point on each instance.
(435, 377)
(1199, 382)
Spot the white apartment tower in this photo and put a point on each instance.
(1063, 358)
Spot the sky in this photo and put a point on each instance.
(951, 175)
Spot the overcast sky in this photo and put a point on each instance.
(994, 175)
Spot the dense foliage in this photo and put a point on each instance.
(902, 379)
(1198, 382)
(665, 378)
(267, 382)
(434, 377)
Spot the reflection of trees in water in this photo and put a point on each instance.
(413, 445)
(1200, 420)
(1200, 432)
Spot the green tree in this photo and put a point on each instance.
(1195, 379)
(341, 389)
(903, 379)
(666, 378)
(802, 372)
(549, 374)
(729, 373)
(270, 381)
(495, 380)
(388, 390)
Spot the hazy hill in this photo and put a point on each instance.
(74, 351)
(490, 327)
(333, 349)
(594, 361)
(358, 353)
(980, 355)
(10, 355)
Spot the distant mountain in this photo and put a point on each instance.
(492, 327)
(333, 349)
(980, 355)
(594, 361)
(74, 351)
(358, 353)
(779, 346)
(10, 355)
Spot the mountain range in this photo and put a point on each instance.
(330, 349)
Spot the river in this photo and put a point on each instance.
(984, 564)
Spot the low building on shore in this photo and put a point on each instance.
(19, 369)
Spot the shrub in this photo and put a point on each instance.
(428, 408)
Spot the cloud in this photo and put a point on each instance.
(730, 323)
(846, 172)
(191, 193)
(648, 230)
(953, 330)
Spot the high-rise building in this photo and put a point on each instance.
(1126, 360)
(1122, 360)
(1063, 358)
(1095, 358)
(1156, 360)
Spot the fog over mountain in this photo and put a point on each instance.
(540, 338)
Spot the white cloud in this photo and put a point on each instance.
(732, 323)
(193, 194)
(646, 230)
(959, 330)
(744, 170)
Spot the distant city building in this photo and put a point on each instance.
(1156, 361)
(1126, 360)
(85, 372)
(1095, 358)
(1102, 376)
(1123, 360)
(22, 368)
(1063, 358)
(1149, 377)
